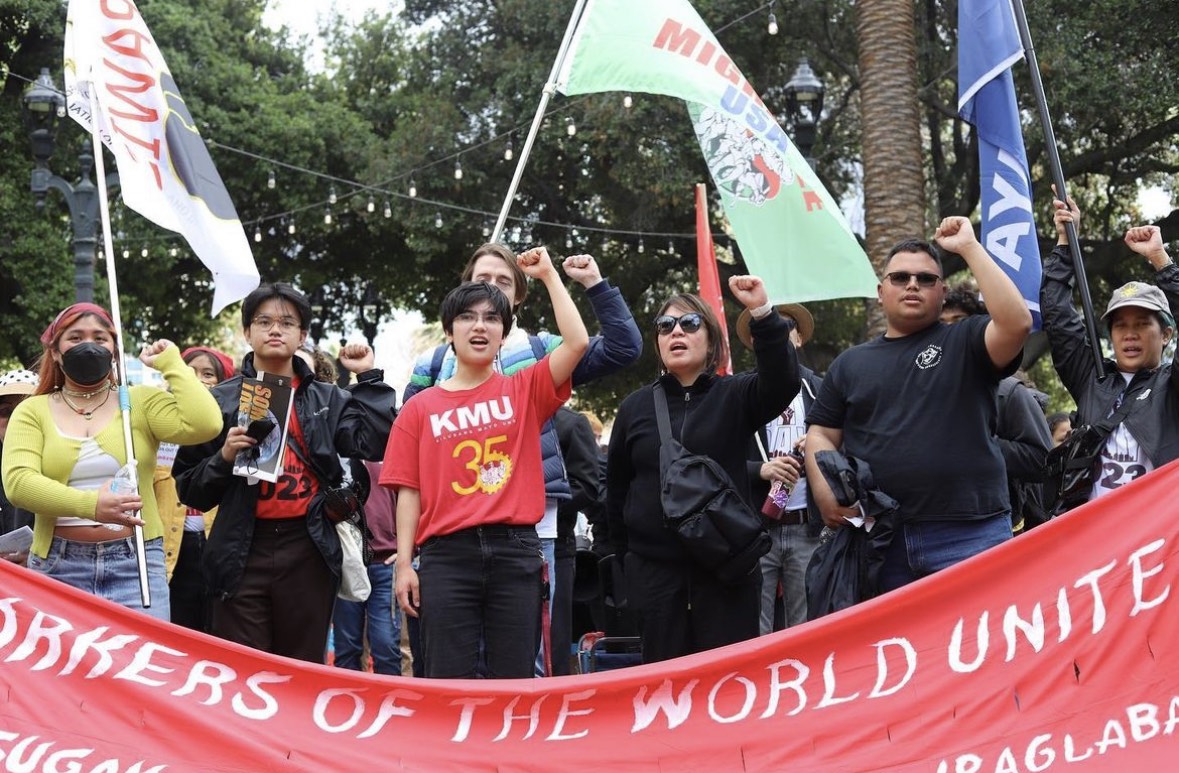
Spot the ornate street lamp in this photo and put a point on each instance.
(370, 312)
(316, 301)
(804, 107)
(43, 108)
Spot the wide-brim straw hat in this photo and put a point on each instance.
(805, 323)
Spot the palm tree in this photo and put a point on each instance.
(894, 173)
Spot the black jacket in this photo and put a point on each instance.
(1154, 420)
(722, 415)
(579, 450)
(11, 516)
(354, 423)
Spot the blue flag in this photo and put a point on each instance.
(988, 44)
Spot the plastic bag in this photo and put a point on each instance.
(354, 582)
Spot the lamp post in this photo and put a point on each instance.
(316, 301)
(43, 108)
(804, 107)
(370, 312)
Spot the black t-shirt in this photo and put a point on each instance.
(921, 411)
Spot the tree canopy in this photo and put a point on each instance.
(406, 97)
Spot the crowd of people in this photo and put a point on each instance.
(473, 486)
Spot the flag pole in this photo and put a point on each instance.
(116, 317)
(549, 87)
(1070, 228)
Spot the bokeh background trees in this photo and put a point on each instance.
(399, 99)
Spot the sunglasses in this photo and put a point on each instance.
(689, 323)
(902, 278)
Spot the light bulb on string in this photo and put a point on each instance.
(143, 253)
(568, 241)
(257, 234)
(413, 189)
(438, 220)
(173, 252)
(126, 253)
(332, 198)
(270, 181)
(327, 215)
(458, 169)
(486, 230)
(388, 209)
(291, 228)
(772, 26)
(508, 152)
(372, 205)
(570, 127)
(641, 247)
(670, 246)
(627, 101)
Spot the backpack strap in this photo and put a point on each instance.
(538, 348)
(436, 362)
(661, 415)
(1106, 426)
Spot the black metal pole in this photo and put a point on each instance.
(83, 204)
(1070, 229)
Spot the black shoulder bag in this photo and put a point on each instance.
(700, 504)
(1070, 466)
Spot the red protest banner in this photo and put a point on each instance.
(1051, 652)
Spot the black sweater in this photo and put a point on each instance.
(722, 415)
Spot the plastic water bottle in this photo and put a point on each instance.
(126, 481)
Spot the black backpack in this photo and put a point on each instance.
(700, 504)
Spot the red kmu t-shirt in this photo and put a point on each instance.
(475, 454)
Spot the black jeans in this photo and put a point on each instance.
(189, 599)
(481, 583)
(684, 609)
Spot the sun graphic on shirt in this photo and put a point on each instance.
(494, 472)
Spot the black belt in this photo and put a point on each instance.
(793, 517)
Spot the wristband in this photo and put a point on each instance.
(763, 311)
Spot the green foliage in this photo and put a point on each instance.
(407, 94)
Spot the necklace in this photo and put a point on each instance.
(87, 395)
(85, 414)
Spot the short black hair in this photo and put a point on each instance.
(469, 294)
(282, 291)
(961, 297)
(916, 245)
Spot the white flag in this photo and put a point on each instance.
(165, 170)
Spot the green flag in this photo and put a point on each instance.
(792, 233)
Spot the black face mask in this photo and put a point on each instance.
(86, 364)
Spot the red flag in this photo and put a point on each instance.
(709, 284)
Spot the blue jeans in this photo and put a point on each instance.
(790, 552)
(922, 548)
(481, 584)
(548, 547)
(109, 570)
(384, 626)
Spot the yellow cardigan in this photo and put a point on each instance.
(38, 460)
